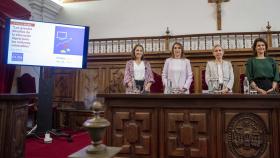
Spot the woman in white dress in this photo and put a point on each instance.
(177, 72)
(219, 73)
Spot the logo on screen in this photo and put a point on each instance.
(61, 35)
(68, 40)
(17, 56)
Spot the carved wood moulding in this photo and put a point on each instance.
(247, 136)
(133, 132)
(193, 134)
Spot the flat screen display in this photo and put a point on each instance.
(45, 44)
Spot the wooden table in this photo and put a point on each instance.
(194, 126)
(72, 118)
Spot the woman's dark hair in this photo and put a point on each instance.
(133, 51)
(182, 48)
(255, 44)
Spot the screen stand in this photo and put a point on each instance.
(45, 107)
(45, 101)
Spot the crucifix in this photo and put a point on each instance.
(218, 12)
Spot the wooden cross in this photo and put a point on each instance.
(219, 12)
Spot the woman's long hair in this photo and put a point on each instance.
(133, 51)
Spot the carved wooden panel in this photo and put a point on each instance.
(187, 133)
(134, 130)
(247, 135)
(13, 115)
(65, 85)
(18, 131)
(106, 76)
(89, 80)
(116, 81)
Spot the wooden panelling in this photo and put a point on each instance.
(194, 126)
(247, 134)
(134, 130)
(65, 85)
(187, 129)
(105, 75)
(13, 119)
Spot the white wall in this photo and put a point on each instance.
(42, 10)
(129, 18)
(24, 3)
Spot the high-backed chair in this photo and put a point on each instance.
(192, 86)
(157, 87)
(241, 79)
(204, 84)
(26, 84)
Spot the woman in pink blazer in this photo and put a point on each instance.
(138, 73)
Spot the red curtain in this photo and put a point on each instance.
(8, 9)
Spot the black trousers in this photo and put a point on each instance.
(139, 84)
(264, 83)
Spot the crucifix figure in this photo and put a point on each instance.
(219, 12)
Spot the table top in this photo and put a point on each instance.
(110, 152)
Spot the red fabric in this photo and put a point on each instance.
(192, 86)
(241, 79)
(9, 9)
(157, 87)
(6, 71)
(59, 148)
(204, 85)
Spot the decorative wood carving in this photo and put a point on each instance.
(247, 136)
(107, 77)
(116, 81)
(64, 85)
(18, 139)
(13, 119)
(187, 134)
(89, 81)
(195, 125)
(133, 131)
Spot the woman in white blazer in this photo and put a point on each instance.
(219, 73)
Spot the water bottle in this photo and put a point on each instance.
(246, 86)
(169, 86)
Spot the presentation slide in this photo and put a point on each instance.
(46, 44)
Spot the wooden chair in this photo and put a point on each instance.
(241, 79)
(26, 84)
(204, 84)
(157, 87)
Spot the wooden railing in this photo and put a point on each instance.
(192, 42)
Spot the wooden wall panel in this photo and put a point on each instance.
(115, 85)
(187, 133)
(65, 85)
(247, 134)
(105, 74)
(135, 131)
(197, 126)
(89, 80)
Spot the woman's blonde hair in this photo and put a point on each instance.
(217, 45)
